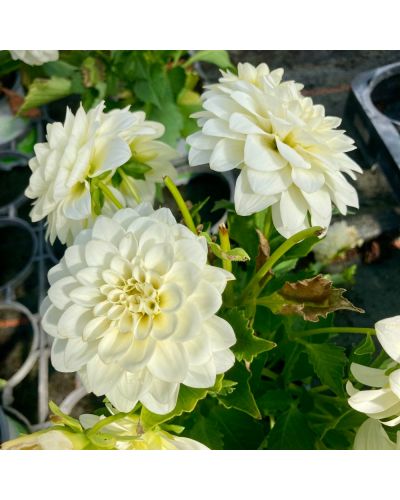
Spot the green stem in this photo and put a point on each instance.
(108, 194)
(225, 246)
(130, 185)
(181, 204)
(335, 329)
(279, 252)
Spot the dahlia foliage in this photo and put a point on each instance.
(195, 334)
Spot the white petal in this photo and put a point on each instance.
(159, 258)
(138, 355)
(372, 436)
(224, 360)
(169, 361)
(373, 377)
(198, 349)
(50, 320)
(227, 155)
(189, 323)
(95, 328)
(107, 229)
(220, 333)
(102, 377)
(207, 299)
(388, 333)
(59, 292)
(292, 156)
(164, 325)
(73, 321)
(374, 401)
(394, 382)
(185, 275)
(246, 201)
(99, 253)
(86, 296)
(170, 297)
(244, 124)
(201, 375)
(193, 251)
(114, 345)
(161, 397)
(259, 155)
(269, 183)
(308, 180)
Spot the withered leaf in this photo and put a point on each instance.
(312, 298)
(264, 250)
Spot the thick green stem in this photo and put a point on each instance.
(181, 204)
(108, 194)
(334, 329)
(129, 185)
(279, 252)
(225, 246)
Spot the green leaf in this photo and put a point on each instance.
(44, 91)
(187, 401)
(206, 431)
(27, 144)
(367, 346)
(234, 255)
(170, 116)
(291, 432)
(329, 362)
(177, 79)
(61, 418)
(273, 401)
(136, 169)
(223, 205)
(248, 345)
(239, 430)
(241, 398)
(59, 68)
(218, 57)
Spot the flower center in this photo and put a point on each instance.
(136, 296)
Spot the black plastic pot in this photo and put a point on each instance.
(372, 117)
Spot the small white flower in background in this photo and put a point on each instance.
(86, 146)
(34, 57)
(47, 440)
(155, 439)
(383, 402)
(372, 436)
(288, 152)
(340, 237)
(132, 306)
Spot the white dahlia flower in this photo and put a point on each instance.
(34, 57)
(132, 306)
(47, 440)
(288, 152)
(372, 436)
(340, 237)
(86, 146)
(130, 426)
(383, 402)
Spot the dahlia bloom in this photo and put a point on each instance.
(288, 152)
(34, 57)
(86, 146)
(132, 307)
(47, 440)
(155, 439)
(383, 402)
(372, 436)
(340, 237)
